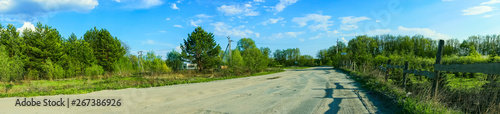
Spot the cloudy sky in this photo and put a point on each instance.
(160, 25)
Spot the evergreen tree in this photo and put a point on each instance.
(107, 49)
(201, 48)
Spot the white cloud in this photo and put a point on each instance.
(117, 0)
(152, 42)
(282, 5)
(286, 35)
(174, 6)
(491, 2)
(293, 34)
(230, 10)
(351, 23)
(378, 32)
(167, 19)
(423, 31)
(198, 19)
(320, 35)
(257, 35)
(258, 0)
(26, 25)
(236, 10)
(477, 10)
(272, 21)
(302, 40)
(195, 23)
(223, 29)
(140, 4)
(248, 5)
(326, 34)
(203, 16)
(343, 40)
(162, 31)
(179, 26)
(320, 21)
(488, 15)
(30, 10)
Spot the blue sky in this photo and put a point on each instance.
(311, 25)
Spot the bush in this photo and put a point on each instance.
(4, 63)
(165, 68)
(58, 72)
(32, 74)
(48, 69)
(94, 70)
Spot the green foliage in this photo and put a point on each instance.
(42, 43)
(48, 69)
(16, 68)
(236, 59)
(124, 66)
(287, 57)
(5, 72)
(58, 72)
(154, 65)
(107, 49)
(253, 58)
(94, 70)
(174, 59)
(32, 74)
(201, 48)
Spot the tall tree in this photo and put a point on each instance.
(107, 49)
(252, 56)
(236, 59)
(201, 48)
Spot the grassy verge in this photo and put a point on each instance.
(409, 103)
(82, 85)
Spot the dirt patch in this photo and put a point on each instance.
(274, 77)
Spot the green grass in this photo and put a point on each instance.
(86, 85)
(408, 104)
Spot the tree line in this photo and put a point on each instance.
(363, 48)
(42, 53)
(201, 48)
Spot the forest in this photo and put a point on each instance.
(460, 91)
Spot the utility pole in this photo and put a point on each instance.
(229, 41)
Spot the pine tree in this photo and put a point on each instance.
(107, 49)
(201, 48)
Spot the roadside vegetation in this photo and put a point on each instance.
(42, 62)
(458, 92)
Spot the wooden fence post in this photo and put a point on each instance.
(387, 72)
(354, 66)
(405, 75)
(438, 61)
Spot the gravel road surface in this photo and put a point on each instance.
(302, 91)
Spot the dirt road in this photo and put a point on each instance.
(313, 90)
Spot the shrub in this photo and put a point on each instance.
(48, 69)
(58, 72)
(94, 70)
